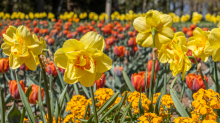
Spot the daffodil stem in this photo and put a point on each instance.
(216, 77)
(47, 95)
(93, 104)
(153, 31)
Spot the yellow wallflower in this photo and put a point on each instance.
(150, 118)
(22, 47)
(153, 18)
(183, 120)
(198, 43)
(214, 41)
(83, 60)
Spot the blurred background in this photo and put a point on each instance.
(179, 7)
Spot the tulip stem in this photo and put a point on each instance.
(153, 32)
(93, 104)
(4, 84)
(200, 71)
(216, 77)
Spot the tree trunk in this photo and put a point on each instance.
(108, 8)
(10, 6)
(144, 6)
(40, 6)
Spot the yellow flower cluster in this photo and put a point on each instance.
(205, 104)
(134, 98)
(155, 97)
(150, 118)
(196, 18)
(102, 95)
(183, 120)
(77, 107)
(185, 18)
(166, 105)
(53, 120)
(212, 18)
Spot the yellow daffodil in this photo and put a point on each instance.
(167, 49)
(198, 42)
(196, 17)
(22, 47)
(176, 19)
(153, 19)
(179, 62)
(214, 41)
(83, 60)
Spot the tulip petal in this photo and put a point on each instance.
(165, 35)
(140, 25)
(216, 55)
(145, 40)
(11, 31)
(31, 61)
(15, 62)
(88, 79)
(152, 18)
(103, 62)
(214, 38)
(6, 49)
(93, 40)
(72, 45)
(60, 58)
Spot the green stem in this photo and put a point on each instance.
(216, 77)
(165, 78)
(192, 57)
(153, 32)
(93, 104)
(47, 95)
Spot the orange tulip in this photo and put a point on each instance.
(118, 71)
(119, 51)
(13, 88)
(101, 82)
(51, 69)
(139, 79)
(50, 41)
(34, 94)
(150, 64)
(132, 42)
(195, 82)
(4, 65)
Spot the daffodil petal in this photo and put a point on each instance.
(15, 62)
(140, 25)
(216, 55)
(209, 50)
(88, 79)
(166, 20)
(103, 62)
(93, 40)
(6, 49)
(60, 58)
(145, 40)
(214, 38)
(152, 18)
(98, 76)
(36, 48)
(165, 35)
(8, 40)
(31, 62)
(24, 34)
(11, 31)
(72, 45)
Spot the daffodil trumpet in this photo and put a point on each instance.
(199, 70)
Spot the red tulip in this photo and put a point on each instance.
(195, 82)
(101, 82)
(132, 42)
(4, 65)
(119, 51)
(34, 94)
(150, 64)
(13, 88)
(51, 69)
(23, 67)
(139, 79)
(50, 41)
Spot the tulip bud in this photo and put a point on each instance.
(150, 64)
(119, 51)
(34, 94)
(13, 89)
(195, 82)
(51, 69)
(4, 65)
(101, 82)
(118, 71)
(139, 79)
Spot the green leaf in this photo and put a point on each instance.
(86, 91)
(119, 107)
(25, 102)
(128, 82)
(23, 115)
(141, 109)
(109, 112)
(76, 88)
(14, 115)
(178, 104)
(87, 108)
(51, 94)
(2, 106)
(173, 82)
(157, 105)
(125, 113)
